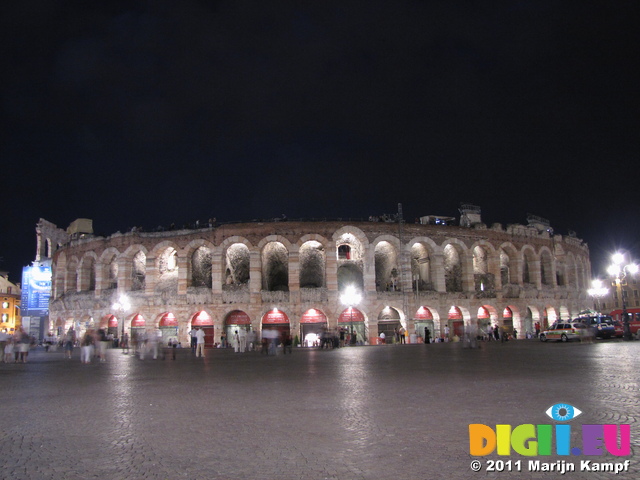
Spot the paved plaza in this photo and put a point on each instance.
(390, 412)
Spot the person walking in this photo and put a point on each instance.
(194, 339)
(199, 342)
(427, 335)
(69, 342)
(86, 347)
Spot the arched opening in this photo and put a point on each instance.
(168, 326)
(138, 272)
(312, 265)
(275, 267)
(313, 324)
(352, 320)
(456, 322)
(389, 324)
(484, 320)
(546, 268)
(111, 272)
(350, 274)
(236, 321)
(138, 330)
(237, 265)
(423, 321)
(167, 264)
(452, 269)
(201, 267)
(483, 280)
(386, 268)
(275, 324)
(507, 321)
(204, 321)
(420, 268)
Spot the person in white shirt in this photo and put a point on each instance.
(199, 342)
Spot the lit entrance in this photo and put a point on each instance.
(312, 324)
(203, 320)
(352, 320)
(168, 328)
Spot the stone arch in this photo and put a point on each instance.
(354, 238)
(508, 258)
(547, 267)
(484, 268)
(422, 267)
(165, 256)
(529, 265)
(454, 252)
(110, 267)
(71, 280)
(87, 269)
(312, 264)
(572, 271)
(386, 263)
(390, 320)
(275, 263)
(134, 261)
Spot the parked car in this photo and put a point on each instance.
(602, 325)
(565, 331)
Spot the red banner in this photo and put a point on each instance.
(351, 315)
(483, 313)
(313, 316)
(455, 314)
(138, 321)
(168, 320)
(112, 321)
(201, 319)
(423, 313)
(275, 316)
(238, 317)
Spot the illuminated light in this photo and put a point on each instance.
(617, 258)
(613, 270)
(633, 268)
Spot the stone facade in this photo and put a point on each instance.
(408, 275)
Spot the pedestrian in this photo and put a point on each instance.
(242, 338)
(102, 345)
(194, 340)
(199, 342)
(537, 326)
(496, 332)
(515, 334)
(8, 350)
(4, 338)
(383, 338)
(427, 335)
(235, 341)
(86, 347)
(69, 342)
(22, 343)
(446, 332)
(403, 335)
(125, 343)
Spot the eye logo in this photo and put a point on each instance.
(563, 412)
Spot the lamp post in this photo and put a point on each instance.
(619, 271)
(597, 291)
(123, 306)
(350, 297)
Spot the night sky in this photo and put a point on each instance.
(151, 113)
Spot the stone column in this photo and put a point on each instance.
(125, 269)
(534, 274)
(216, 271)
(369, 272)
(437, 272)
(100, 280)
(255, 276)
(294, 275)
(151, 276)
(183, 274)
(406, 281)
(331, 272)
(493, 267)
(468, 281)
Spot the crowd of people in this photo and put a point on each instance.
(15, 348)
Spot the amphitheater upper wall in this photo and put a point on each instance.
(294, 234)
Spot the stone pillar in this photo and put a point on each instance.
(125, 268)
(294, 275)
(468, 280)
(331, 272)
(255, 276)
(437, 272)
(534, 274)
(369, 272)
(183, 274)
(519, 272)
(493, 267)
(216, 271)
(151, 276)
(100, 277)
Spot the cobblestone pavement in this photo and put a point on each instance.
(390, 412)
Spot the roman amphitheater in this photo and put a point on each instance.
(434, 273)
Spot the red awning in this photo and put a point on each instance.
(313, 316)
(275, 317)
(168, 320)
(201, 319)
(238, 317)
(351, 315)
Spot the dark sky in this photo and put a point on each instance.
(148, 113)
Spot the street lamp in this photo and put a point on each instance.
(619, 272)
(350, 297)
(597, 291)
(123, 306)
